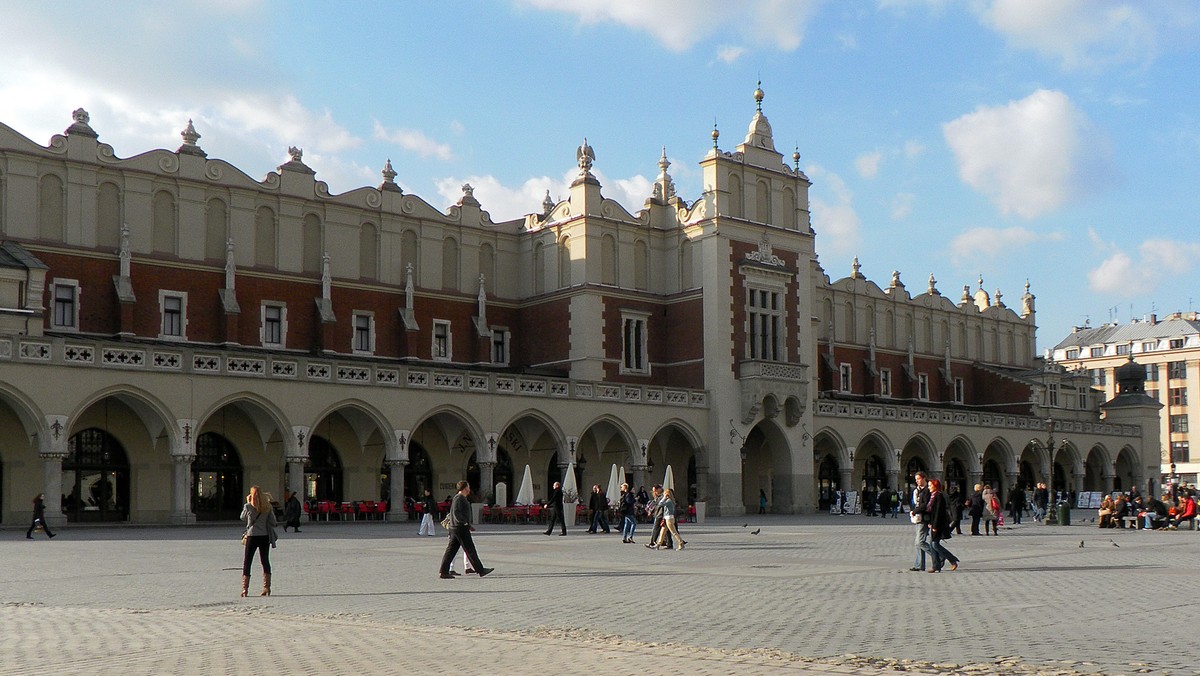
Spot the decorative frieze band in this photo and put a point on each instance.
(886, 412)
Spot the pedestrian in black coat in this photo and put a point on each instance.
(975, 508)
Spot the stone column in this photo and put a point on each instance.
(845, 476)
(1011, 479)
(396, 490)
(893, 477)
(1108, 484)
(639, 477)
(181, 490)
(52, 450)
(487, 487)
(701, 483)
(295, 465)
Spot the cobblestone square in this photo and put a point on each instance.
(811, 594)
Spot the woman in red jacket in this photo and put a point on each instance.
(940, 525)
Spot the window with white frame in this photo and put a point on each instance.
(1176, 343)
(1149, 346)
(1097, 352)
(960, 390)
(1152, 373)
(442, 349)
(1177, 370)
(923, 386)
(1179, 423)
(1073, 353)
(1123, 349)
(765, 314)
(846, 372)
(499, 345)
(885, 382)
(66, 304)
(364, 333)
(634, 341)
(1180, 452)
(172, 306)
(274, 324)
(1052, 394)
(1083, 400)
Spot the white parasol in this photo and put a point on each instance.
(525, 493)
(614, 486)
(568, 482)
(669, 479)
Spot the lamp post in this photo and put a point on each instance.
(1051, 495)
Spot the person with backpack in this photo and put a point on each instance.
(991, 511)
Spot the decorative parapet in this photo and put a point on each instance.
(937, 416)
(766, 387)
(74, 352)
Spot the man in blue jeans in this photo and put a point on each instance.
(919, 501)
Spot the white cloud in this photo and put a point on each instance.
(902, 205)
(506, 203)
(913, 148)
(993, 243)
(730, 53)
(1159, 260)
(867, 164)
(680, 24)
(1030, 156)
(1090, 33)
(834, 218)
(413, 141)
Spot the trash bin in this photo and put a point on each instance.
(1064, 514)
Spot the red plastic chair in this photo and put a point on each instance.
(325, 508)
(381, 510)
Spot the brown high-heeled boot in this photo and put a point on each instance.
(245, 584)
(266, 585)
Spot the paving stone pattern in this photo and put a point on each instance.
(815, 594)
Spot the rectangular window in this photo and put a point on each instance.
(1178, 396)
(1180, 452)
(1052, 395)
(634, 341)
(1099, 377)
(499, 345)
(885, 382)
(173, 306)
(274, 324)
(1123, 349)
(1097, 352)
(1149, 346)
(1176, 343)
(766, 323)
(1179, 423)
(1083, 400)
(66, 304)
(923, 387)
(1152, 373)
(960, 391)
(846, 372)
(1073, 353)
(441, 348)
(364, 333)
(1177, 369)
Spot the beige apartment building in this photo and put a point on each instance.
(1169, 349)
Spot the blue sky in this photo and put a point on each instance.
(1051, 140)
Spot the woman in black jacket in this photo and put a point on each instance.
(975, 508)
(939, 528)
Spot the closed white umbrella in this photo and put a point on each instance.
(525, 493)
(669, 479)
(568, 483)
(614, 485)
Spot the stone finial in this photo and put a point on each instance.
(408, 287)
(855, 267)
(468, 190)
(326, 278)
(896, 283)
(664, 188)
(125, 253)
(585, 156)
(296, 154)
(796, 159)
(932, 285)
(981, 280)
(998, 296)
(758, 96)
(230, 264)
(80, 116)
(389, 174)
(966, 297)
(80, 125)
(547, 204)
(716, 134)
(189, 134)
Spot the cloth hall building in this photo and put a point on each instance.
(173, 330)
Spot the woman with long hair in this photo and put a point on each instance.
(259, 536)
(628, 505)
(39, 516)
(939, 528)
(668, 517)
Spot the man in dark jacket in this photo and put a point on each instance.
(920, 503)
(598, 503)
(460, 534)
(291, 512)
(555, 505)
(1016, 504)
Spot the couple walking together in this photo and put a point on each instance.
(931, 518)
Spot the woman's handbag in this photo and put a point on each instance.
(446, 522)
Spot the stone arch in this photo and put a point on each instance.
(487, 265)
(108, 215)
(762, 202)
(450, 266)
(1097, 468)
(368, 251)
(265, 237)
(262, 416)
(364, 442)
(608, 259)
(52, 208)
(641, 265)
(312, 245)
(410, 254)
(163, 227)
(532, 439)
(449, 435)
(564, 262)
(767, 466)
(155, 416)
(216, 228)
(680, 447)
(829, 451)
(1127, 471)
(735, 196)
(31, 418)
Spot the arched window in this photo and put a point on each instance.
(322, 471)
(409, 255)
(312, 247)
(450, 264)
(51, 208)
(216, 479)
(264, 237)
(162, 234)
(108, 216)
(994, 477)
(368, 251)
(95, 478)
(789, 207)
(827, 482)
(216, 229)
(686, 274)
(608, 259)
(735, 196)
(487, 265)
(641, 265)
(564, 263)
(762, 202)
(956, 478)
(539, 268)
